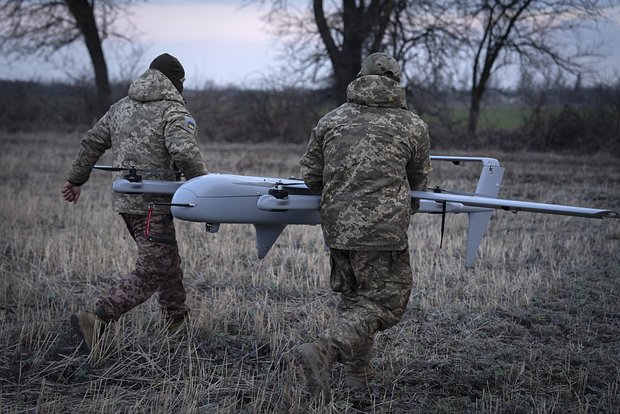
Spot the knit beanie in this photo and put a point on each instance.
(171, 67)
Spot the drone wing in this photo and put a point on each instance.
(515, 206)
(480, 208)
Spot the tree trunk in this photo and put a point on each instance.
(494, 40)
(347, 69)
(82, 11)
(474, 112)
(359, 23)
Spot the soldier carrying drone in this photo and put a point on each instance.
(150, 128)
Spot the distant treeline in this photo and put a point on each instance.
(555, 118)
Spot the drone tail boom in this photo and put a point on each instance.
(146, 187)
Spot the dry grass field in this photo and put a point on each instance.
(534, 327)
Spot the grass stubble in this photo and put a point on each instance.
(534, 327)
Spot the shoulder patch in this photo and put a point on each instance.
(188, 124)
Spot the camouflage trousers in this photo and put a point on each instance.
(158, 270)
(374, 291)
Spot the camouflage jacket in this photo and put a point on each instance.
(363, 158)
(149, 129)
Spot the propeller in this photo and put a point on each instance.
(147, 170)
(268, 184)
(110, 168)
(132, 175)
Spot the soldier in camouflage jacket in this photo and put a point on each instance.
(150, 129)
(364, 158)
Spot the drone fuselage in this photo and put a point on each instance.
(270, 204)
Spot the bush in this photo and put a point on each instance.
(559, 119)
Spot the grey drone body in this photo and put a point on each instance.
(270, 204)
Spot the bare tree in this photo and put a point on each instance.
(435, 40)
(419, 33)
(346, 29)
(45, 26)
(534, 33)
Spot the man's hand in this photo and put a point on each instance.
(71, 192)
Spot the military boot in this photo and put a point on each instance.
(177, 326)
(89, 327)
(315, 363)
(356, 377)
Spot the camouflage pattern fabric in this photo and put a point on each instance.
(374, 289)
(149, 129)
(364, 157)
(158, 269)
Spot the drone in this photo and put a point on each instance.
(271, 203)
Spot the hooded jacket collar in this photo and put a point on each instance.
(378, 91)
(153, 85)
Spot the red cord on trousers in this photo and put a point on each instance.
(148, 221)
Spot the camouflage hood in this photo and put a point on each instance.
(364, 157)
(378, 91)
(153, 85)
(149, 129)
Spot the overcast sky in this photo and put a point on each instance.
(216, 41)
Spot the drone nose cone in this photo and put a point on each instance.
(185, 203)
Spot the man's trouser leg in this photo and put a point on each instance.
(375, 288)
(158, 269)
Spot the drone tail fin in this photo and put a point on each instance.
(488, 185)
(475, 231)
(266, 236)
